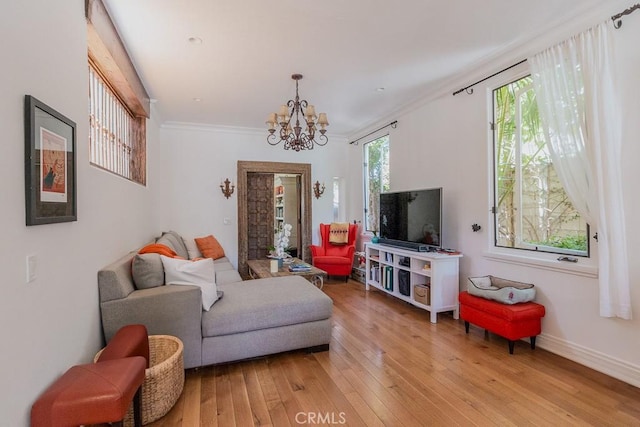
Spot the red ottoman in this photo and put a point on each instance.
(512, 322)
(128, 341)
(91, 394)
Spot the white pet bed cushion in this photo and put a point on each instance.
(501, 290)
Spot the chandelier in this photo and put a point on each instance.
(296, 137)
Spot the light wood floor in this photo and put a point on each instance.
(388, 365)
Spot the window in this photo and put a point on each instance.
(116, 137)
(336, 199)
(532, 210)
(376, 179)
(118, 101)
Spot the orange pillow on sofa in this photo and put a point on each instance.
(209, 247)
(158, 248)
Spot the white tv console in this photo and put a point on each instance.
(437, 270)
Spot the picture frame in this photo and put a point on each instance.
(50, 165)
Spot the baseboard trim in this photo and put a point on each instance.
(600, 362)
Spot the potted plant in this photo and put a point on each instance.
(375, 238)
(279, 251)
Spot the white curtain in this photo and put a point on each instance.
(579, 112)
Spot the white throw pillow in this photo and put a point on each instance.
(199, 273)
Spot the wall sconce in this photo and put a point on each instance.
(226, 189)
(317, 191)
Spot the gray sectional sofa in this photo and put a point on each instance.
(253, 318)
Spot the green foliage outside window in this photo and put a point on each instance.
(532, 209)
(376, 179)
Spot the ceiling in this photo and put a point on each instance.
(362, 60)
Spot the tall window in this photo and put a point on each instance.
(532, 210)
(376, 179)
(116, 137)
(336, 199)
(118, 101)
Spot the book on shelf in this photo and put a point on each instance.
(388, 278)
(374, 274)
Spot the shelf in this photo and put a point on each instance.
(405, 269)
(285, 208)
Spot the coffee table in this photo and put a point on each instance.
(261, 268)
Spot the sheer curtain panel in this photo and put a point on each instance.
(579, 112)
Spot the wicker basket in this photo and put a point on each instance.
(164, 379)
(421, 294)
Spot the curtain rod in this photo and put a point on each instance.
(393, 124)
(486, 78)
(617, 17)
(616, 25)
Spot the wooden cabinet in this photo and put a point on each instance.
(429, 280)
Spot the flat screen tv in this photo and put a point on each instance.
(412, 219)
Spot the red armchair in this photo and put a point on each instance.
(336, 260)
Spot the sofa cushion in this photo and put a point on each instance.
(227, 276)
(209, 247)
(192, 248)
(225, 271)
(147, 271)
(166, 241)
(265, 303)
(199, 273)
(223, 264)
(175, 242)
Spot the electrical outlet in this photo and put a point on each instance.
(32, 267)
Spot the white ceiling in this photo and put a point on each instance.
(346, 50)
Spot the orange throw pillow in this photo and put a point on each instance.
(209, 247)
(158, 248)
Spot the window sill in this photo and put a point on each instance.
(577, 269)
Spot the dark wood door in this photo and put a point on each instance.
(260, 216)
(245, 168)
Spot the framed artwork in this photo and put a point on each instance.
(50, 164)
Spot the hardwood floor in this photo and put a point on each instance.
(388, 365)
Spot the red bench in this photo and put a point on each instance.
(512, 322)
(99, 392)
(90, 394)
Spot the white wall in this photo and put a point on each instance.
(445, 142)
(194, 160)
(53, 323)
